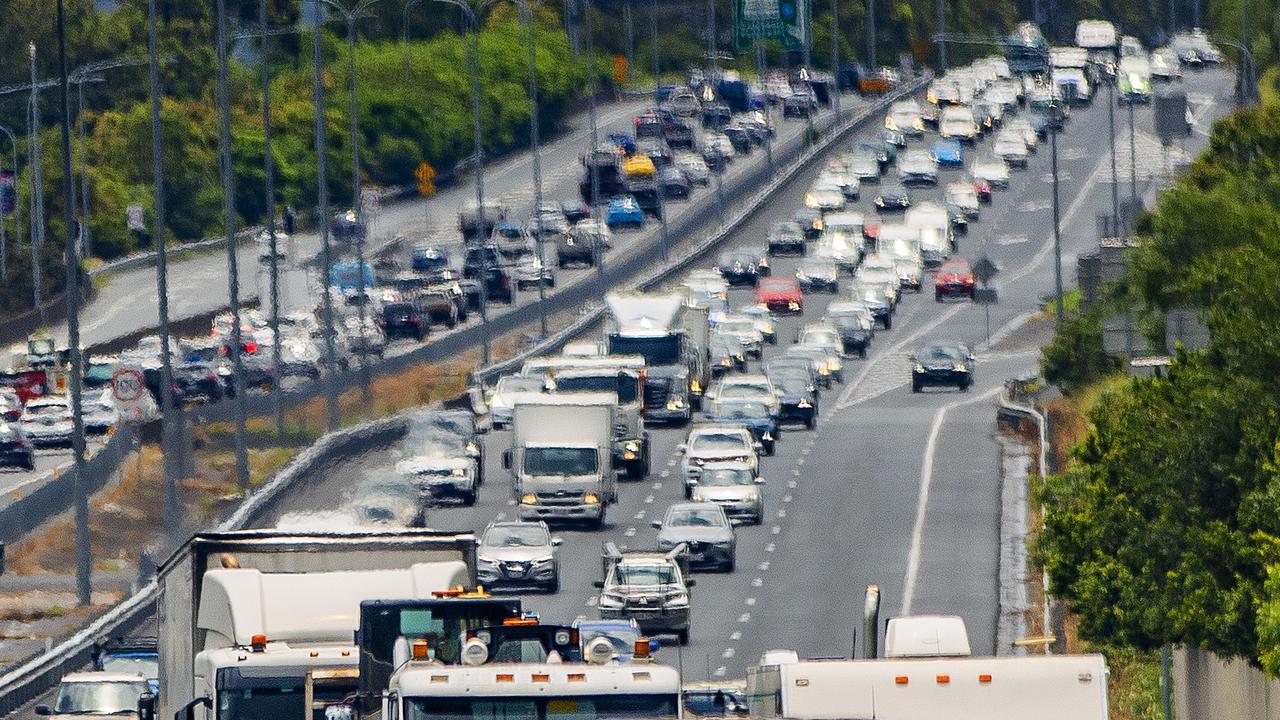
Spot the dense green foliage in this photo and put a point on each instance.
(1075, 357)
(1164, 527)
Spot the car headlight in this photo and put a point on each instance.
(824, 370)
(611, 601)
(811, 200)
(725, 362)
(699, 462)
(679, 599)
(960, 367)
(675, 403)
(528, 499)
(919, 368)
(698, 497)
(591, 499)
(804, 403)
(890, 124)
(486, 562)
(766, 435)
(695, 386)
(543, 562)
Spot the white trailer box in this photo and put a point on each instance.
(1057, 687)
(1096, 35)
(299, 591)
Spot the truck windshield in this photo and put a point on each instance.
(244, 698)
(560, 461)
(663, 350)
(582, 707)
(624, 385)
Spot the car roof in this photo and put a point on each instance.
(103, 676)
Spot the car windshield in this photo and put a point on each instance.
(99, 698)
(743, 390)
(941, 352)
(520, 383)
(726, 477)
(695, 517)
(148, 666)
(791, 383)
(820, 336)
(712, 442)
(646, 574)
(817, 267)
(740, 409)
(776, 286)
(737, 327)
(516, 536)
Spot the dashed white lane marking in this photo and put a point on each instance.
(749, 601)
(811, 442)
(728, 653)
(639, 515)
(763, 567)
(782, 513)
(735, 636)
(796, 472)
(665, 473)
(922, 499)
(757, 582)
(657, 486)
(648, 499)
(511, 502)
(744, 618)
(720, 671)
(631, 532)
(1012, 239)
(799, 461)
(671, 462)
(786, 498)
(775, 530)
(791, 484)
(806, 450)
(500, 516)
(770, 547)
(591, 601)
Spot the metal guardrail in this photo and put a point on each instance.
(38, 675)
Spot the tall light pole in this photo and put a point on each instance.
(1115, 180)
(233, 261)
(630, 38)
(17, 221)
(37, 188)
(322, 209)
(1133, 164)
(351, 15)
(170, 411)
(269, 190)
(835, 54)
(597, 258)
(85, 237)
(84, 565)
(942, 32)
(478, 141)
(871, 32)
(530, 23)
(662, 193)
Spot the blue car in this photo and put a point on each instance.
(751, 414)
(624, 211)
(948, 153)
(623, 141)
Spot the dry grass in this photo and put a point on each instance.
(26, 607)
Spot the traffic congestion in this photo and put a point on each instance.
(561, 542)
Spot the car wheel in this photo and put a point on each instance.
(30, 463)
(732, 564)
(470, 498)
(688, 491)
(862, 352)
(888, 322)
(937, 297)
(915, 386)
(770, 448)
(964, 385)
(554, 586)
(682, 636)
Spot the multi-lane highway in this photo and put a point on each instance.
(893, 487)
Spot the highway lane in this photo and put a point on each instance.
(847, 500)
(849, 493)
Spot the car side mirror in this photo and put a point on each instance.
(599, 584)
(759, 481)
(971, 357)
(682, 447)
(557, 542)
(657, 524)
(43, 710)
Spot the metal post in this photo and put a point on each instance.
(871, 623)
(86, 237)
(356, 203)
(589, 32)
(768, 137)
(1166, 681)
(942, 30)
(871, 33)
(322, 202)
(1195, 13)
(1057, 232)
(233, 261)
(805, 73)
(37, 190)
(1133, 164)
(835, 53)
(627, 31)
(1173, 19)
(1115, 181)
(84, 569)
(530, 22)
(17, 208)
(662, 193)
(711, 40)
(172, 417)
(479, 170)
(269, 180)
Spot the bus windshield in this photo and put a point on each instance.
(582, 707)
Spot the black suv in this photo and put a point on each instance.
(402, 319)
(484, 263)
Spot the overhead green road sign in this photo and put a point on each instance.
(784, 20)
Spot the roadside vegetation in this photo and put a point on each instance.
(1164, 524)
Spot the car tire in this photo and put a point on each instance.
(862, 352)
(732, 564)
(682, 636)
(964, 385)
(770, 448)
(470, 499)
(688, 491)
(937, 297)
(888, 322)
(554, 586)
(30, 464)
(811, 422)
(915, 386)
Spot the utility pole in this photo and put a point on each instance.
(269, 180)
(1133, 164)
(322, 202)
(871, 33)
(588, 30)
(233, 261)
(530, 23)
(84, 564)
(172, 420)
(17, 207)
(85, 236)
(942, 31)
(835, 54)
(1115, 181)
(712, 76)
(37, 189)
(768, 138)
(662, 191)
(627, 31)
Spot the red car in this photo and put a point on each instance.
(954, 279)
(983, 189)
(871, 227)
(781, 295)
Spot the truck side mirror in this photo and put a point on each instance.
(506, 459)
(599, 584)
(557, 542)
(657, 524)
(759, 481)
(682, 448)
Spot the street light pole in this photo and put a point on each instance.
(942, 31)
(1115, 181)
(1133, 163)
(17, 220)
(526, 15)
(85, 237)
(269, 181)
(233, 260)
(37, 189)
(627, 31)
(322, 203)
(172, 420)
(84, 565)
(871, 33)
(588, 30)
(835, 52)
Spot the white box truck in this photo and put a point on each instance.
(259, 623)
(673, 339)
(561, 456)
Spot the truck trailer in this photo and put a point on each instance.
(251, 623)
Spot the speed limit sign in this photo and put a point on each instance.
(127, 384)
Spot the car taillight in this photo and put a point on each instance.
(251, 347)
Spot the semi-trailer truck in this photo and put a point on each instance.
(667, 333)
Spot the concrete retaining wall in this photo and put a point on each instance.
(1205, 687)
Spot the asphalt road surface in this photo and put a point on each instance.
(893, 488)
